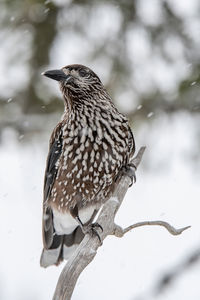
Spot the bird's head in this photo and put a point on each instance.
(75, 78)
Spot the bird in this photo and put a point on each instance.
(88, 149)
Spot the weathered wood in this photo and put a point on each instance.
(87, 250)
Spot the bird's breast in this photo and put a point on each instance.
(92, 156)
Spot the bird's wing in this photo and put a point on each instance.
(55, 246)
(55, 150)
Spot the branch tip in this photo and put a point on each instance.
(167, 226)
(137, 159)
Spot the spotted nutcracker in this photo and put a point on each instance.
(88, 149)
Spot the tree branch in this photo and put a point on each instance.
(119, 232)
(87, 250)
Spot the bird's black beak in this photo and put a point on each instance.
(58, 75)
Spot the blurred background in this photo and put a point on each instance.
(147, 55)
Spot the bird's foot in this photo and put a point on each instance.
(128, 170)
(91, 229)
(88, 228)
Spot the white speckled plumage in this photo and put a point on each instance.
(88, 147)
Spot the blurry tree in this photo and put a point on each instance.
(146, 52)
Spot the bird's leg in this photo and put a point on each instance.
(89, 228)
(128, 170)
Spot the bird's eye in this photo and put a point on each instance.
(82, 72)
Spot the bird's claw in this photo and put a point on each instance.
(129, 170)
(91, 229)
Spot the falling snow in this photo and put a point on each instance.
(150, 114)
(21, 136)
(139, 107)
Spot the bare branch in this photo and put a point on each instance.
(119, 232)
(87, 250)
(137, 159)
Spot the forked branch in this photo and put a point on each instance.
(87, 250)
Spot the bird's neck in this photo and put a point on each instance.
(87, 103)
(83, 112)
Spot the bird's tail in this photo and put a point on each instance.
(62, 250)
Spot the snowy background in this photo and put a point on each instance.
(155, 81)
